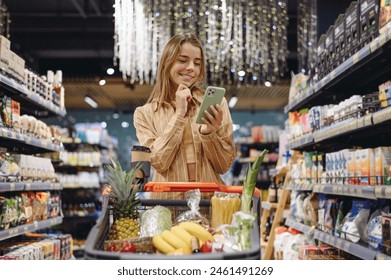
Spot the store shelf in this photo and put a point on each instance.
(301, 143)
(376, 127)
(19, 230)
(26, 143)
(360, 73)
(357, 250)
(383, 192)
(346, 190)
(33, 103)
(300, 187)
(299, 226)
(29, 186)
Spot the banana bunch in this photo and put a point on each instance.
(179, 237)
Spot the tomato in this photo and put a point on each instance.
(129, 248)
(207, 246)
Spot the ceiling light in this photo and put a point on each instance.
(241, 73)
(233, 101)
(125, 124)
(88, 99)
(268, 84)
(110, 71)
(102, 82)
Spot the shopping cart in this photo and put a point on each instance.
(97, 236)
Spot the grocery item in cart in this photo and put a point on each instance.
(223, 206)
(193, 201)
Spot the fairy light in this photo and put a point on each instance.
(238, 35)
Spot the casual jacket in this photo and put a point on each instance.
(162, 131)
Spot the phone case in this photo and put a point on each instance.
(212, 96)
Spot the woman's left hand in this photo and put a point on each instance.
(212, 123)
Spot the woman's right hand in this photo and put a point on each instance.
(182, 98)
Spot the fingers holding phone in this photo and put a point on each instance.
(212, 121)
(182, 98)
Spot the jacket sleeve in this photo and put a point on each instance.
(219, 146)
(163, 147)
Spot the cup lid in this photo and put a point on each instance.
(141, 149)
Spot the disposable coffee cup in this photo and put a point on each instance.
(141, 155)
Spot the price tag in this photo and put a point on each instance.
(383, 39)
(332, 75)
(346, 246)
(373, 46)
(35, 225)
(27, 187)
(340, 190)
(26, 229)
(388, 192)
(328, 239)
(359, 192)
(378, 192)
(355, 58)
(339, 243)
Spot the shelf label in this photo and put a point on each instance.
(35, 225)
(346, 246)
(388, 192)
(27, 187)
(373, 46)
(355, 58)
(12, 186)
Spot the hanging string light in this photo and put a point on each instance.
(245, 40)
(306, 34)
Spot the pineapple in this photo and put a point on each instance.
(123, 202)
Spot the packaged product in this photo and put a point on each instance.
(193, 215)
(223, 207)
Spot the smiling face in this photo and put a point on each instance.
(187, 66)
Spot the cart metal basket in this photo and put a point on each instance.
(97, 235)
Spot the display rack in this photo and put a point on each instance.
(361, 73)
(37, 105)
(27, 144)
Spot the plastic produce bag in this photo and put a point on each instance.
(154, 221)
(193, 215)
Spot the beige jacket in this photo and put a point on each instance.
(162, 131)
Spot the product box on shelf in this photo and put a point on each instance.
(4, 54)
(321, 57)
(384, 14)
(339, 39)
(369, 20)
(383, 165)
(352, 26)
(330, 49)
(386, 234)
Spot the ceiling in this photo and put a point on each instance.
(76, 36)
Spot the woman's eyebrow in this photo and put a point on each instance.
(185, 56)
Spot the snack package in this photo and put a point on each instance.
(223, 206)
(193, 215)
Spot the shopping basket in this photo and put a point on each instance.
(97, 235)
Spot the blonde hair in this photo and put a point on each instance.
(164, 90)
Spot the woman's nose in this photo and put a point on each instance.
(190, 65)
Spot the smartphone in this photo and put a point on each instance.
(212, 96)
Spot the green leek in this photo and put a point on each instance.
(250, 181)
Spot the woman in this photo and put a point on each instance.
(181, 150)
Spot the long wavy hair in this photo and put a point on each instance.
(164, 90)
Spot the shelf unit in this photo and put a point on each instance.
(361, 73)
(27, 144)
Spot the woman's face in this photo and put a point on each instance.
(187, 66)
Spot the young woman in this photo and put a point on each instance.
(181, 150)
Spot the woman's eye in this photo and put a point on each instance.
(197, 63)
(182, 61)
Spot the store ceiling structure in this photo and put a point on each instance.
(76, 36)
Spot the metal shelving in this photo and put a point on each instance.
(36, 225)
(359, 73)
(26, 143)
(29, 186)
(38, 106)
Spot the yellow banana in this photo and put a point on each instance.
(160, 244)
(182, 234)
(197, 230)
(174, 240)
